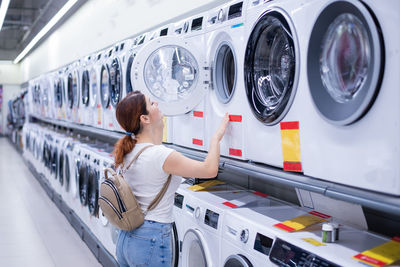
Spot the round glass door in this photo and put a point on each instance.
(85, 88)
(224, 72)
(237, 261)
(193, 251)
(70, 91)
(271, 67)
(93, 191)
(67, 173)
(75, 88)
(344, 62)
(105, 84)
(58, 93)
(93, 88)
(83, 183)
(168, 70)
(116, 82)
(129, 87)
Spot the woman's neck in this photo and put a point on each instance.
(148, 136)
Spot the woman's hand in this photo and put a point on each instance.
(219, 133)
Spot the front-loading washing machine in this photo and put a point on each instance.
(225, 52)
(352, 138)
(95, 109)
(84, 105)
(45, 100)
(171, 70)
(74, 90)
(59, 95)
(274, 78)
(105, 90)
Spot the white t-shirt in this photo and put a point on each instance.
(146, 177)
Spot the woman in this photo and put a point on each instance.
(150, 244)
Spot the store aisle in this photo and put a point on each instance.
(33, 232)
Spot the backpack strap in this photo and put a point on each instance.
(136, 156)
(160, 195)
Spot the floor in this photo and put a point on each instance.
(33, 232)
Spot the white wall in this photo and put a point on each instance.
(101, 23)
(9, 91)
(10, 73)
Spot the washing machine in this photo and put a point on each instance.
(105, 90)
(59, 96)
(225, 52)
(118, 67)
(95, 111)
(275, 80)
(74, 91)
(171, 70)
(353, 94)
(85, 111)
(52, 77)
(69, 186)
(45, 99)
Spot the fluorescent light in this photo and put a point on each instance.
(3, 11)
(45, 29)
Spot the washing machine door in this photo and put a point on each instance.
(194, 249)
(129, 87)
(83, 183)
(116, 82)
(175, 246)
(67, 171)
(85, 88)
(75, 188)
(105, 85)
(237, 261)
(172, 73)
(93, 191)
(93, 88)
(61, 167)
(345, 61)
(58, 101)
(54, 161)
(75, 88)
(271, 66)
(70, 91)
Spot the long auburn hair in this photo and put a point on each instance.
(128, 114)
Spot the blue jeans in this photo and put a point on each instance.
(147, 245)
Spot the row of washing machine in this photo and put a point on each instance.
(228, 226)
(73, 167)
(326, 69)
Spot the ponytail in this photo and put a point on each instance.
(124, 146)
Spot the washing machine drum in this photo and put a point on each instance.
(58, 94)
(270, 68)
(237, 261)
(85, 88)
(345, 62)
(105, 84)
(116, 82)
(70, 91)
(61, 168)
(93, 191)
(67, 172)
(83, 183)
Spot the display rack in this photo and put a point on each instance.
(366, 198)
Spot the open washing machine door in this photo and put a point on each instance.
(172, 73)
(195, 251)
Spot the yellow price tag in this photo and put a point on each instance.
(205, 185)
(301, 222)
(313, 242)
(98, 115)
(290, 138)
(382, 255)
(165, 130)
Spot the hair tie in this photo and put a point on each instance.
(128, 133)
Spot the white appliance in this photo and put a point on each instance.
(171, 70)
(85, 111)
(95, 108)
(74, 84)
(105, 90)
(59, 95)
(352, 135)
(225, 47)
(274, 75)
(45, 99)
(118, 67)
(69, 186)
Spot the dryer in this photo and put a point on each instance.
(225, 52)
(171, 70)
(352, 138)
(274, 77)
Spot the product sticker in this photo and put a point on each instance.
(165, 130)
(290, 138)
(382, 255)
(205, 185)
(313, 242)
(98, 115)
(301, 222)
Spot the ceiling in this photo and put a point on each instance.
(24, 19)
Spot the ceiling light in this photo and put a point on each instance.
(3, 11)
(45, 29)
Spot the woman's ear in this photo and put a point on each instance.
(144, 119)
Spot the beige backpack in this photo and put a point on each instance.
(119, 204)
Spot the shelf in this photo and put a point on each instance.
(370, 199)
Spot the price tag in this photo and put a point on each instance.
(314, 242)
(382, 255)
(290, 137)
(205, 185)
(98, 115)
(301, 222)
(165, 130)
